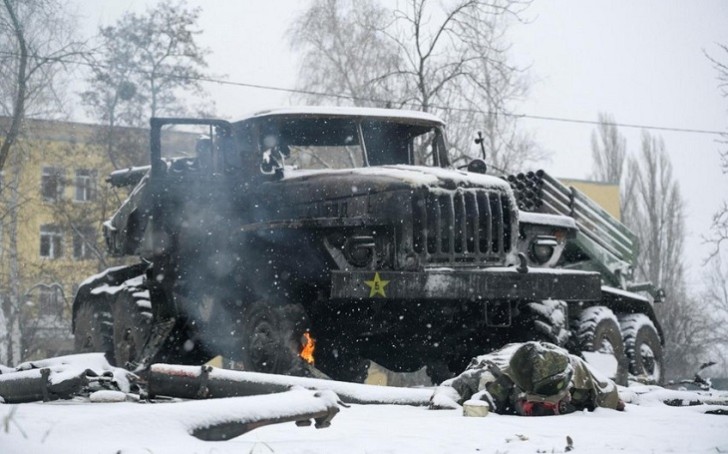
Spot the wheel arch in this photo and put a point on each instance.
(111, 277)
(623, 302)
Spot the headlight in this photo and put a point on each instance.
(359, 250)
(542, 248)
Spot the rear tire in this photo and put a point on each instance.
(94, 329)
(643, 348)
(271, 338)
(597, 330)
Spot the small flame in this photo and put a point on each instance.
(309, 343)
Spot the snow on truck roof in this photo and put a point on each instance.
(333, 111)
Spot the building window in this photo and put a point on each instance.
(85, 185)
(50, 302)
(84, 240)
(51, 241)
(52, 183)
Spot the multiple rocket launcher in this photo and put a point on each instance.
(602, 244)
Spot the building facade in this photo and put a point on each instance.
(53, 201)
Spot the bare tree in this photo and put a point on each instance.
(715, 298)
(716, 293)
(609, 159)
(142, 66)
(719, 227)
(483, 102)
(36, 38)
(656, 214)
(344, 51)
(609, 150)
(449, 58)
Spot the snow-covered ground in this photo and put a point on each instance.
(131, 427)
(72, 427)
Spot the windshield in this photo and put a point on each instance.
(342, 143)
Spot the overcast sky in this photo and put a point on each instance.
(642, 62)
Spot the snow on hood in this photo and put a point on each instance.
(416, 176)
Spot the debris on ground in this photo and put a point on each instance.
(200, 382)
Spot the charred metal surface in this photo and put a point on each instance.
(319, 408)
(468, 285)
(357, 217)
(462, 226)
(35, 385)
(228, 430)
(161, 329)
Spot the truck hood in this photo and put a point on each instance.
(368, 180)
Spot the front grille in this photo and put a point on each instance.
(464, 225)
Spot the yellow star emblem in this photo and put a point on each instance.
(376, 286)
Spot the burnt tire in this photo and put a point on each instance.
(597, 330)
(643, 348)
(93, 329)
(271, 338)
(132, 324)
(545, 321)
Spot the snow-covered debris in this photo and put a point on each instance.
(650, 395)
(94, 362)
(205, 381)
(238, 415)
(61, 378)
(107, 395)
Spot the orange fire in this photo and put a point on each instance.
(309, 343)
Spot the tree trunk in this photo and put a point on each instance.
(22, 87)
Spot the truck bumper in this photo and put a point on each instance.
(470, 285)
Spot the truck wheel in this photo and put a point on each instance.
(271, 338)
(597, 330)
(132, 324)
(546, 321)
(643, 348)
(93, 329)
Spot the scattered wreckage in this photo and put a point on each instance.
(90, 377)
(249, 400)
(351, 229)
(260, 399)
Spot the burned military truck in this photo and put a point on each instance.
(337, 236)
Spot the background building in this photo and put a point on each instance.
(53, 201)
